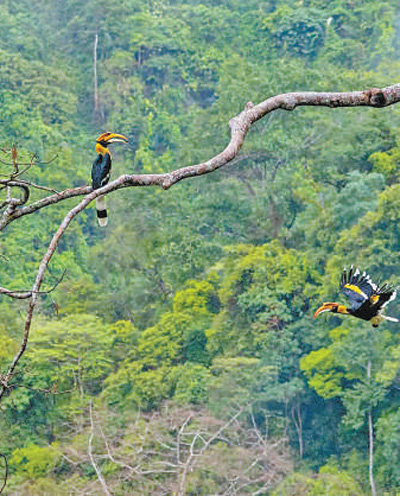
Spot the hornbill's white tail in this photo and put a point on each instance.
(101, 208)
(101, 170)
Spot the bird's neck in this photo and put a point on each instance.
(101, 150)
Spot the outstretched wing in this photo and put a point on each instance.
(383, 295)
(358, 287)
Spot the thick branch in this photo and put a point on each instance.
(44, 202)
(39, 279)
(373, 97)
(13, 203)
(20, 295)
(24, 295)
(239, 126)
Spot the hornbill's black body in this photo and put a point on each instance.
(101, 170)
(367, 300)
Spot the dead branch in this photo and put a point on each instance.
(91, 456)
(33, 160)
(44, 202)
(36, 186)
(23, 295)
(180, 432)
(239, 126)
(191, 459)
(255, 464)
(13, 203)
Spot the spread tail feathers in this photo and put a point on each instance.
(102, 216)
(391, 319)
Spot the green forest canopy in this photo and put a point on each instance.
(197, 303)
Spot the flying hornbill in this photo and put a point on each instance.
(101, 170)
(367, 299)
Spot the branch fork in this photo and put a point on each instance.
(239, 125)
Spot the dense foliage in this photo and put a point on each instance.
(179, 354)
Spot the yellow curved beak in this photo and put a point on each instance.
(117, 138)
(325, 307)
(112, 138)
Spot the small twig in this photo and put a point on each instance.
(239, 127)
(111, 457)
(10, 164)
(23, 295)
(178, 441)
(28, 166)
(37, 186)
(47, 162)
(53, 390)
(193, 455)
(256, 430)
(59, 280)
(31, 162)
(91, 456)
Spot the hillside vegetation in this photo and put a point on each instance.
(179, 354)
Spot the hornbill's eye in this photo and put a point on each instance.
(367, 299)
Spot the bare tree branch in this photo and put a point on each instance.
(14, 202)
(239, 126)
(20, 295)
(151, 451)
(180, 432)
(23, 295)
(36, 186)
(190, 461)
(8, 217)
(92, 459)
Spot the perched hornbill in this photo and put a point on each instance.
(101, 170)
(367, 299)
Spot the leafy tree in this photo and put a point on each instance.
(34, 461)
(202, 294)
(329, 481)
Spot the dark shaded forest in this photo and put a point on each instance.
(179, 354)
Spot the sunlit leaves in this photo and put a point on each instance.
(320, 366)
(35, 461)
(78, 347)
(329, 481)
(217, 278)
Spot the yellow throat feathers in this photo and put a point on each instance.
(101, 150)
